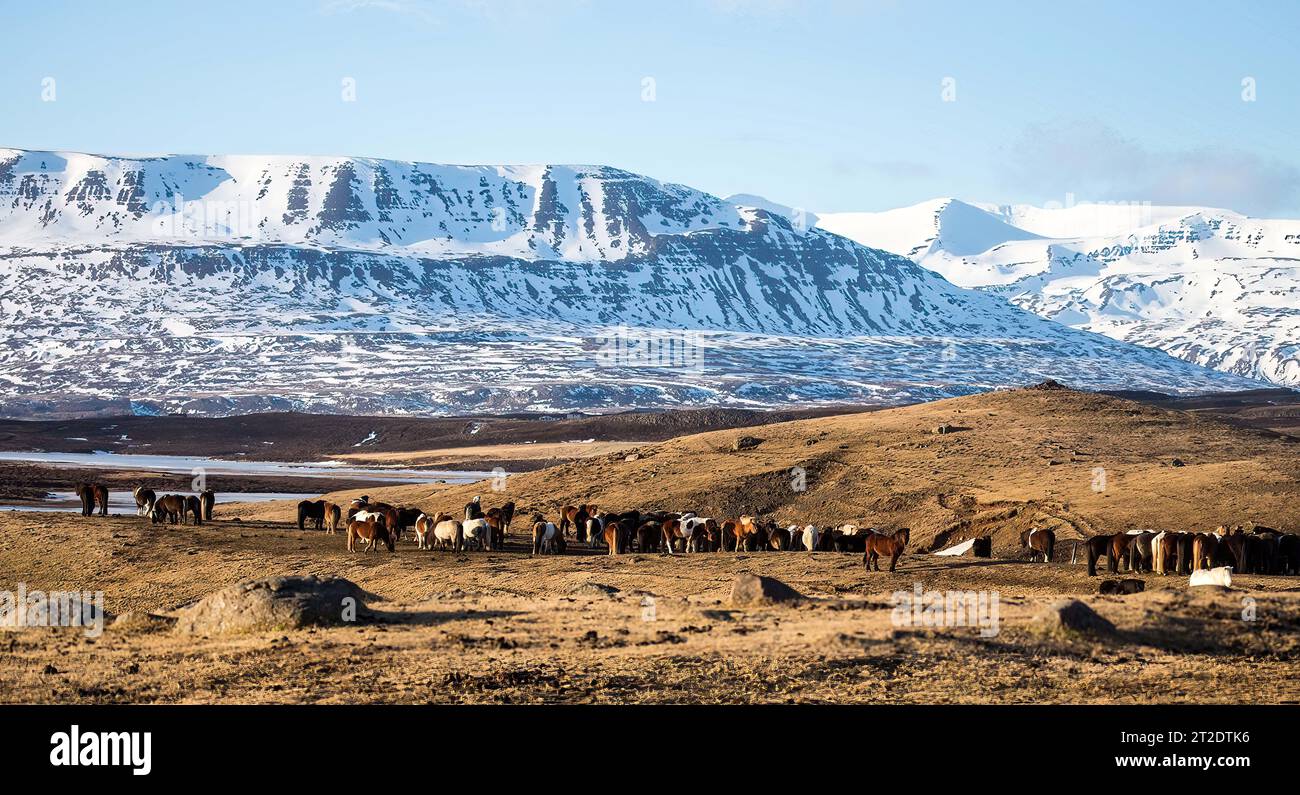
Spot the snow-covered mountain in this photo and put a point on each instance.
(230, 284)
(1210, 286)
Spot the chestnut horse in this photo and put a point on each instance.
(370, 532)
(208, 499)
(333, 517)
(503, 516)
(745, 530)
(617, 533)
(1039, 542)
(1203, 548)
(879, 544)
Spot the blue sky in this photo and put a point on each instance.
(832, 105)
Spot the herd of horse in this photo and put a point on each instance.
(1257, 550)
(169, 508)
(369, 524)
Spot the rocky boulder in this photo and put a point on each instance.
(753, 589)
(276, 603)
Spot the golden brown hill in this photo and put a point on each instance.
(1078, 462)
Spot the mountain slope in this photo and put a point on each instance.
(1209, 286)
(229, 284)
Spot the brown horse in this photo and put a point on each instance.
(313, 510)
(1039, 541)
(398, 519)
(879, 544)
(208, 498)
(370, 532)
(648, 535)
(194, 507)
(144, 499)
(92, 495)
(778, 538)
(1096, 547)
(169, 508)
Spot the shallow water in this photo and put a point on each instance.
(122, 502)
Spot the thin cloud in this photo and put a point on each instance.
(1096, 162)
(414, 8)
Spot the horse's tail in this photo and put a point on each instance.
(302, 514)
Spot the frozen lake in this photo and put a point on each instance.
(216, 466)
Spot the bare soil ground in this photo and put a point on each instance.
(501, 627)
(587, 627)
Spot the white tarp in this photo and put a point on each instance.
(958, 549)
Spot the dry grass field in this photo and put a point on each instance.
(586, 627)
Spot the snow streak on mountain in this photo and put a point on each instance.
(231, 284)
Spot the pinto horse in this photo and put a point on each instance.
(1141, 557)
(144, 499)
(547, 538)
(1039, 541)
(576, 516)
(879, 544)
(370, 532)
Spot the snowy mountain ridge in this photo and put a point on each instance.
(230, 284)
(1207, 285)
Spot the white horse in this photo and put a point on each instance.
(478, 531)
(803, 538)
(448, 533)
